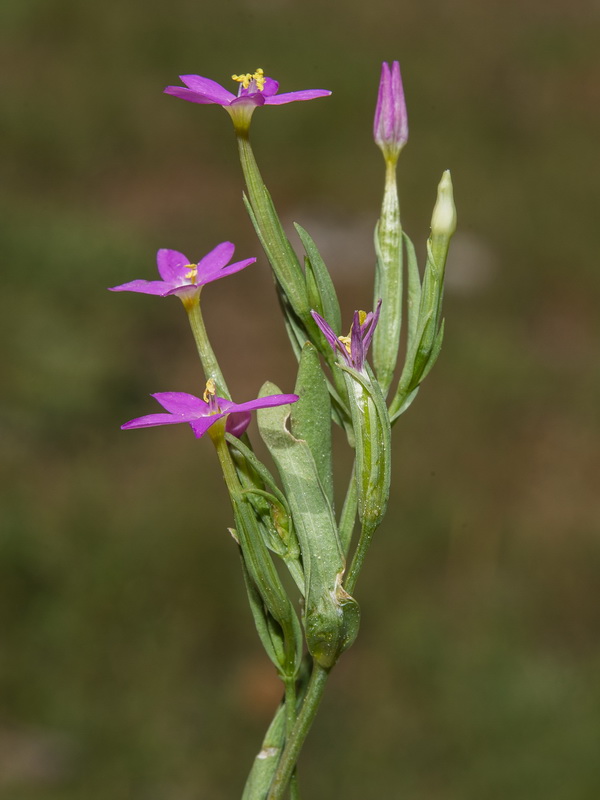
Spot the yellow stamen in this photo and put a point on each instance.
(193, 273)
(210, 391)
(346, 340)
(258, 77)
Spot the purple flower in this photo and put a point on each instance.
(355, 346)
(256, 89)
(202, 413)
(390, 128)
(183, 278)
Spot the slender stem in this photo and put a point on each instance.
(205, 351)
(366, 535)
(314, 694)
(276, 245)
(290, 720)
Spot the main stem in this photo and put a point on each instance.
(290, 721)
(314, 694)
(205, 351)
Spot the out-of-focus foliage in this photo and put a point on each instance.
(129, 668)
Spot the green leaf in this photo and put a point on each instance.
(269, 631)
(322, 279)
(330, 614)
(265, 578)
(310, 416)
(413, 290)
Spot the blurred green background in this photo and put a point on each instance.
(129, 668)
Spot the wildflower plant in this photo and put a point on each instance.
(291, 517)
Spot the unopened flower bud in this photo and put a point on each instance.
(443, 220)
(390, 128)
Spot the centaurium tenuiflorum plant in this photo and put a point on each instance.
(291, 516)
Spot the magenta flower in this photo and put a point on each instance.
(256, 89)
(183, 278)
(390, 128)
(200, 414)
(355, 346)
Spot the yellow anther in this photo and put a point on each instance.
(258, 77)
(346, 340)
(210, 391)
(193, 273)
(362, 315)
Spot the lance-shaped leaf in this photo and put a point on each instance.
(331, 616)
(310, 416)
(264, 576)
(328, 305)
(269, 631)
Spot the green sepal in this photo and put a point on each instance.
(331, 616)
(310, 415)
(328, 304)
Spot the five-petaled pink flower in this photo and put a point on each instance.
(183, 278)
(256, 89)
(200, 414)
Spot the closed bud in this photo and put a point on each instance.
(443, 219)
(390, 127)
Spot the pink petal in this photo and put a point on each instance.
(181, 403)
(266, 402)
(170, 263)
(144, 287)
(201, 425)
(290, 97)
(216, 259)
(187, 94)
(211, 90)
(271, 87)
(238, 422)
(225, 271)
(151, 421)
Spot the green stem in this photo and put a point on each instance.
(276, 245)
(290, 720)
(205, 351)
(366, 535)
(314, 694)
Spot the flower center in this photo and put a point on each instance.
(193, 273)
(347, 340)
(253, 81)
(210, 397)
